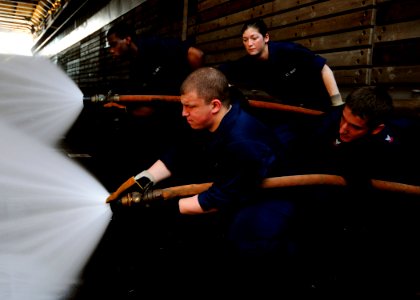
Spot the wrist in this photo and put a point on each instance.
(147, 175)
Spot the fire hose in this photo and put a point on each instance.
(171, 98)
(268, 183)
(274, 182)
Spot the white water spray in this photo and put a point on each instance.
(37, 96)
(52, 211)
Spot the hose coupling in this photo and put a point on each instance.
(136, 197)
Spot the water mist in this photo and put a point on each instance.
(52, 211)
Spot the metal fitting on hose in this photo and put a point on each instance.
(102, 98)
(98, 98)
(136, 197)
(131, 198)
(113, 98)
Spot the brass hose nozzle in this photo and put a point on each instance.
(136, 197)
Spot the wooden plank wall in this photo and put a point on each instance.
(366, 42)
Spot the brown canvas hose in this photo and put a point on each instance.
(171, 98)
(268, 183)
(274, 182)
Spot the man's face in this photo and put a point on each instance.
(352, 127)
(254, 42)
(118, 47)
(197, 112)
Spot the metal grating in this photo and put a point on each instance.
(30, 16)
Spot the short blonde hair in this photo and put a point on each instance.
(209, 83)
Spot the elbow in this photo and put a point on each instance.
(195, 58)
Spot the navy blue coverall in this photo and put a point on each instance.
(236, 158)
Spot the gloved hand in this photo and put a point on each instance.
(116, 207)
(144, 181)
(336, 100)
(128, 204)
(358, 184)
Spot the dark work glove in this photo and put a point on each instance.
(357, 203)
(135, 198)
(358, 183)
(132, 202)
(170, 206)
(116, 206)
(143, 184)
(336, 100)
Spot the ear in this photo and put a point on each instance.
(266, 37)
(128, 40)
(216, 105)
(378, 129)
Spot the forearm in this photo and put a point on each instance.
(191, 206)
(329, 81)
(159, 171)
(331, 85)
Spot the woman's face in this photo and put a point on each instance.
(254, 42)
